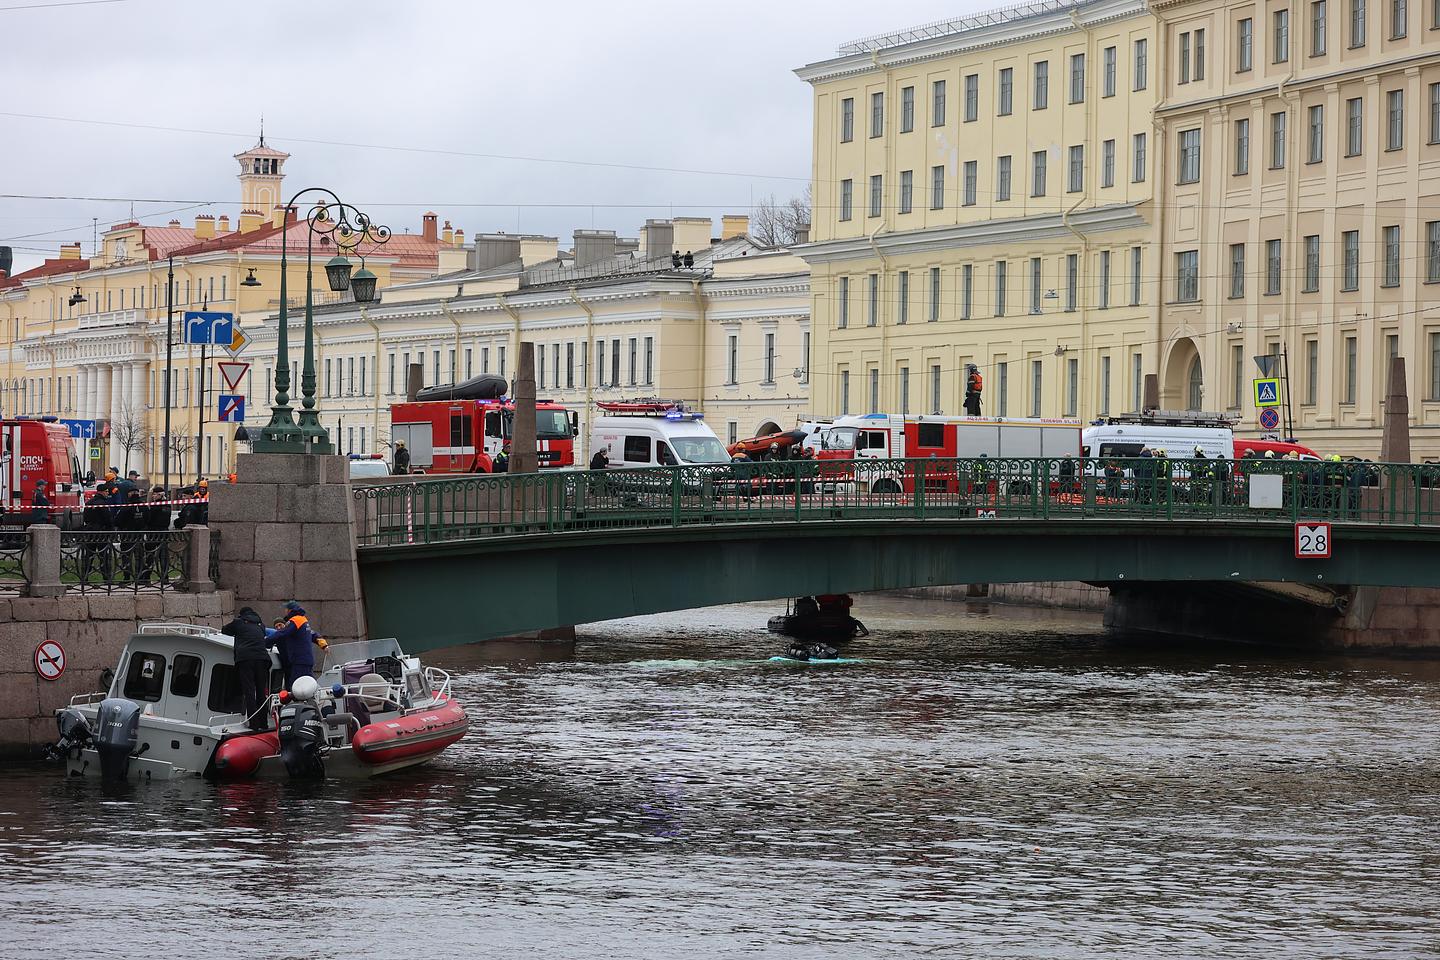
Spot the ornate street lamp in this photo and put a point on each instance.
(250, 280)
(77, 297)
(330, 219)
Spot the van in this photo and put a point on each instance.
(656, 439)
(1126, 440)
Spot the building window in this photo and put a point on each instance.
(1237, 270)
(872, 315)
(967, 290)
(1434, 116)
(1187, 276)
(1077, 78)
(903, 292)
(1002, 278)
(1072, 281)
(847, 120)
(1273, 266)
(1002, 389)
(1007, 92)
(1390, 241)
(1435, 366)
(874, 390)
(1350, 251)
(1105, 385)
(1142, 64)
(1354, 127)
(569, 364)
(972, 97)
(907, 190)
(904, 390)
(1104, 279)
(937, 188)
(804, 360)
(1107, 81)
(1316, 151)
(1184, 59)
(907, 109)
(1037, 173)
(937, 104)
(1357, 23)
(1351, 351)
(1395, 119)
(1317, 28)
(1399, 18)
(934, 294)
(1072, 386)
(877, 115)
(1137, 175)
(1312, 371)
(1002, 179)
(877, 194)
(769, 360)
(844, 392)
(1077, 168)
(847, 198)
(1042, 84)
(1432, 252)
(1189, 156)
(1242, 147)
(1036, 387)
(935, 388)
(1199, 54)
(844, 320)
(1312, 264)
(1277, 141)
(1034, 284)
(1137, 258)
(969, 185)
(1282, 36)
(1107, 164)
(1137, 381)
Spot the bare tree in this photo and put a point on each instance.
(180, 445)
(130, 431)
(777, 224)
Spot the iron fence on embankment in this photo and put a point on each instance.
(432, 510)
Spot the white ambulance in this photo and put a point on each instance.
(654, 434)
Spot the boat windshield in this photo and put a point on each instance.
(839, 438)
(699, 450)
(363, 650)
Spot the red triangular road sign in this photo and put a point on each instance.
(232, 373)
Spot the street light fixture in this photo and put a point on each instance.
(250, 280)
(330, 219)
(77, 297)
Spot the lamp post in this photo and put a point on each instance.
(169, 360)
(348, 227)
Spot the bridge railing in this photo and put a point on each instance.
(432, 510)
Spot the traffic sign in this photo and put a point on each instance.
(983, 513)
(80, 429)
(1267, 391)
(1269, 418)
(238, 341)
(49, 660)
(232, 408)
(1266, 362)
(232, 373)
(210, 327)
(94, 453)
(1313, 540)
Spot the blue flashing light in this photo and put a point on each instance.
(50, 419)
(338, 689)
(674, 414)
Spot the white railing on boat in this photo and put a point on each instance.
(440, 689)
(86, 699)
(181, 629)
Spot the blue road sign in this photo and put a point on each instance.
(1269, 418)
(1267, 392)
(232, 408)
(82, 429)
(209, 327)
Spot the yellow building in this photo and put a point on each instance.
(983, 194)
(85, 338)
(678, 312)
(1302, 154)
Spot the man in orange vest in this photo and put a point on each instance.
(974, 384)
(295, 639)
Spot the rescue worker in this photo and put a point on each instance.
(252, 666)
(155, 521)
(1162, 475)
(1114, 480)
(1145, 476)
(97, 520)
(402, 458)
(296, 641)
(40, 504)
(601, 460)
(502, 460)
(1200, 477)
(974, 385)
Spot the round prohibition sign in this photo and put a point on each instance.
(49, 660)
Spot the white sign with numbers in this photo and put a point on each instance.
(1313, 540)
(981, 513)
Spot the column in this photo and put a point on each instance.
(82, 399)
(102, 392)
(137, 388)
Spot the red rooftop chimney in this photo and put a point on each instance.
(431, 229)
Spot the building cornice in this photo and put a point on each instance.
(986, 233)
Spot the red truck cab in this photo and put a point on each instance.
(465, 436)
(34, 449)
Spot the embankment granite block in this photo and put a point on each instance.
(255, 502)
(327, 541)
(19, 695)
(116, 607)
(149, 606)
(277, 580)
(277, 541)
(337, 619)
(18, 635)
(322, 503)
(237, 545)
(287, 468)
(242, 578)
(180, 605)
(326, 580)
(48, 608)
(207, 605)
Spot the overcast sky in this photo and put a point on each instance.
(688, 86)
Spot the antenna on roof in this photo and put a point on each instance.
(262, 129)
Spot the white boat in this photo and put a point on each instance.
(173, 710)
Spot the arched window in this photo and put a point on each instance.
(1197, 385)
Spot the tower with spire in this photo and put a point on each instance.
(261, 173)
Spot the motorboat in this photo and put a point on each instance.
(173, 710)
(806, 620)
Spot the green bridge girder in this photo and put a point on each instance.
(445, 593)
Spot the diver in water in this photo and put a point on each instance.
(801, 650)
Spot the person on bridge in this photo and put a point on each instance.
(296, 640)
(1114, 480)
(974, 386)
(252, 665)
(40, 504)
(601, 460)
(402, 458)
(502, 460)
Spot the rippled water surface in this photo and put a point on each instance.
(1006, 785)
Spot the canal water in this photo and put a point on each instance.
(1001, 784)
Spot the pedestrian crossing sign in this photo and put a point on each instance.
(1267, 392)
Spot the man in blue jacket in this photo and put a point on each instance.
(296, 641)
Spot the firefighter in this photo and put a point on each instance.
(502, 460)
(402, 458)
(974, 385)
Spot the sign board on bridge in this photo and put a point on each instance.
(1313, 540)
(985, 513)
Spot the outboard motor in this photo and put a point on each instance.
(75, 733)
(302, 734)
(117, 732)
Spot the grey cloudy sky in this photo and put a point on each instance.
(690, 86)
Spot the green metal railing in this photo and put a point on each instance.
(426, 510)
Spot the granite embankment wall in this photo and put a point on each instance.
(1060, 594)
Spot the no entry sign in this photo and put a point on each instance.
(49, 660)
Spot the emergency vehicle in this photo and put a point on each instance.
(465, 436)
(654, 433)
(881, 436)
(38, 448)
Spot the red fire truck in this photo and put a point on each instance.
(38, 448)
(465, 436)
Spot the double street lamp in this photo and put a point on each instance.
(333, 221)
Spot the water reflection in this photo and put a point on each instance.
(1008, 784)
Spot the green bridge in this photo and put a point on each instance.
(494, 556)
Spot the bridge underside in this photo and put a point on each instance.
(473, 590)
